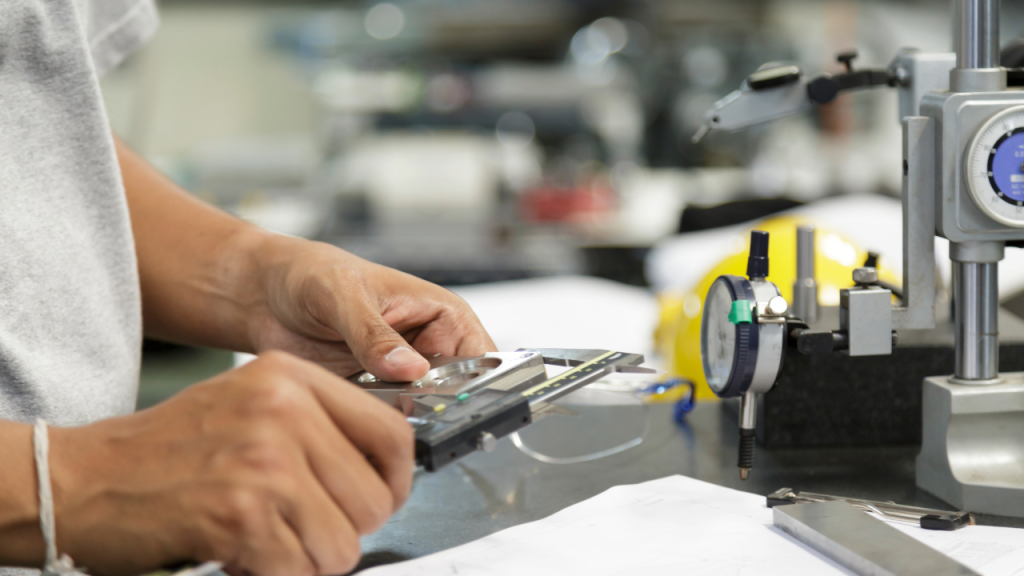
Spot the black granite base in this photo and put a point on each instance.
(836, 400)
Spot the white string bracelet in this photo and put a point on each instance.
(54, 566)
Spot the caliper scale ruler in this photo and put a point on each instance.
(572, 379)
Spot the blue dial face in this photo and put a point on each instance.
(1006, 167)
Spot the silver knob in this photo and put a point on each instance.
(866, 275)
(487, 442)
(777, 306)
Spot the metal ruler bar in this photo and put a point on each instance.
(862, 543)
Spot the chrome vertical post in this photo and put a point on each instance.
(977, 34)
(976, 303)
(805, 289)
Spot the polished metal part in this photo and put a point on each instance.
(805, 287)
(977, 48)
(487, 442)
(977, 80)
(917, 310)
(748, 411)
(861, 543)
(513, 372)
(972, 444)
(417, 422)
(771, 338)
(865, 315)
(745, 107)
(777, 306)
(977, 251)
(771, 311)
(977, 34)
(918, 74)
(976, 323)
(889, 511)
(453, 375)
(865, 275)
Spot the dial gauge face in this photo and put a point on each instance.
(995, 167)
(718, 336)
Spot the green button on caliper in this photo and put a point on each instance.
(740, 312)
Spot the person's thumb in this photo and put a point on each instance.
(383, 352)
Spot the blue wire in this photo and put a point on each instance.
(684, 404)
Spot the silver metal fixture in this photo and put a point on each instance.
(805, 288)
(865, 275)
(927, 518)
(865, 545)
(777, 306)
(453, 375)
(865, 315)
(972, 453)
(963, 180)
(487, 442)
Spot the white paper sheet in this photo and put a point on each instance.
(679, 525)
(990, 550)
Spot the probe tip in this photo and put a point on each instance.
(744, 473)
(701, 133)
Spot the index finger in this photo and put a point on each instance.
(374, 427)
(456, 333)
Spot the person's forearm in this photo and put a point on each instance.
(21, 540)
(195, 261)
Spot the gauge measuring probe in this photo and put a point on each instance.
(465, 404)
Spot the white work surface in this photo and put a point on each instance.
(566, 312)
(678, 525)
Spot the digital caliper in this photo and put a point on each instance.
(465, 404)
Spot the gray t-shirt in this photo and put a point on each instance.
(70, 312)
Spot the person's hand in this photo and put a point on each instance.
(342, 312)
(209, 279)
(275, 468)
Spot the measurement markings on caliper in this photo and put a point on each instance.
(571, 376)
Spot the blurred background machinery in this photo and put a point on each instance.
(520, 148)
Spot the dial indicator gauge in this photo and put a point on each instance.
(995, 167)
(729, 351)
(719, 337)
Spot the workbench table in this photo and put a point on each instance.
(488, 492)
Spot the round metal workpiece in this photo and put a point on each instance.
(456, 374)
(994, 167)
(446, 378)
